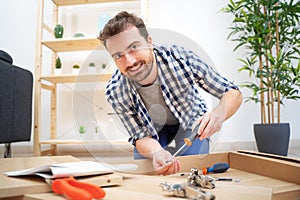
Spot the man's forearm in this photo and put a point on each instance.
(229, 104)
(147, 146)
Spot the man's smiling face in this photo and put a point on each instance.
(132, 54)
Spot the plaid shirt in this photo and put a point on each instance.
(181, 73)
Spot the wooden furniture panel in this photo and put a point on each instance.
(136, 185)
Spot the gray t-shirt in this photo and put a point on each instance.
(156, 105)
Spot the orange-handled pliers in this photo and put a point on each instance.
(76, 190)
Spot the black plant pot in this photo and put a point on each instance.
(272, 138)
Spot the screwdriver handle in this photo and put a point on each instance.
(216, 168)
(189, 141)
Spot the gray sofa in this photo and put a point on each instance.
(16, 85)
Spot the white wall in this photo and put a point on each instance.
(199, 20)
(18, 26)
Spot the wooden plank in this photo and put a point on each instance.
(250, 185)
(37, 82)
(71, 78)
(53, 127)
(224, 190)
(76, 2)
(73, 44)
(271, 167)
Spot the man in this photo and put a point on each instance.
(155, 92)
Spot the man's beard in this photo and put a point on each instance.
(144, 73)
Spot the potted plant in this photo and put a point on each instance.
(58, 65)
(92, 67)
(76, 69)
(76, 35)
(81, 129)
(269, 31)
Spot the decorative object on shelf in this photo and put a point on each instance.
(58, 65)
(104, 66)
(81, 129)
(76, 69)
(269, 31)
(96, 126)
(92, 67)
(58, 31)
(78, 35)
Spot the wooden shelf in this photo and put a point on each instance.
(73, 44)
(71, 78)
(77, 2)
(49, 82)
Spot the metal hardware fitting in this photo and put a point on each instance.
(186, 191)
(198, 180)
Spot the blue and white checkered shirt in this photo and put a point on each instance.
(181, 73)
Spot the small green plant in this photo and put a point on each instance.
(103, 66)
(58, 63)
(92, 64)
(76, 66)
(78, 35)
(82, 129)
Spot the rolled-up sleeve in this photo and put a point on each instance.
(207, 77)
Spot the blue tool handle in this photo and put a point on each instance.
(218, 168)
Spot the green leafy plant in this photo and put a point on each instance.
(76, 35)
(269, 31)
(91, 64)
(76, 67)
(82, 129)
(104, 66)
(58, 63)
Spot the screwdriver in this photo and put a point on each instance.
(187, 142)
(216, 168)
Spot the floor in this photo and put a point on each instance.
(123, 153)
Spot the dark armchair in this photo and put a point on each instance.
(16, 86)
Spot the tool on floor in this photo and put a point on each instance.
(187, 141)
(77, 190)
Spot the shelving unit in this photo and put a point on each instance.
(50, 81)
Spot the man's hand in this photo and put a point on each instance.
(211, 122)
(150, 148)
(164, 164)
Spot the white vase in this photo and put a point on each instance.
(92, 70)
(75, 71)
(57, 71)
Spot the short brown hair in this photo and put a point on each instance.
(121, 22)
